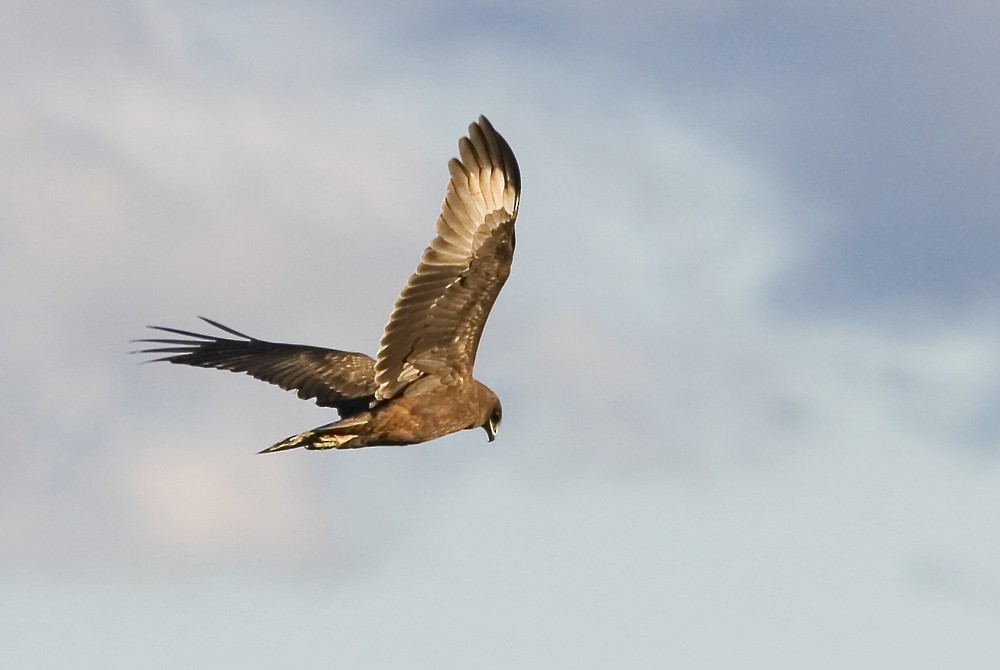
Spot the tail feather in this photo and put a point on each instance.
(330, 436)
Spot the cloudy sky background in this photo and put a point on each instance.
(749, 354)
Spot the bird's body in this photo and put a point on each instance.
(420, 386)
(406, 419)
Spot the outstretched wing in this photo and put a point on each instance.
(434, 329)
(341, 379)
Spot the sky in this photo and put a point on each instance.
(749, 353)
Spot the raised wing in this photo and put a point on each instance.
(341, 379)
(434, 329)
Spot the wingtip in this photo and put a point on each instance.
(510, 165)
(227, 329)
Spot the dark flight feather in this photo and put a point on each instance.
(341, 379)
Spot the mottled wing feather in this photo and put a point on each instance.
(341, 379)
(435, 327)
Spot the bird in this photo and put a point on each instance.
(420, 385)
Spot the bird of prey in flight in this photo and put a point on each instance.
(420, 386)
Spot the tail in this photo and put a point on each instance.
(335, 435)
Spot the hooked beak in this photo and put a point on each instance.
(491, 431)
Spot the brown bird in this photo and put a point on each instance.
(421, 386)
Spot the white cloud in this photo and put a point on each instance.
(201, 506)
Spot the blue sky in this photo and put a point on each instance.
(748, 353)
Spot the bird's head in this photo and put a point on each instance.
(492, 425)
(488, 412)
